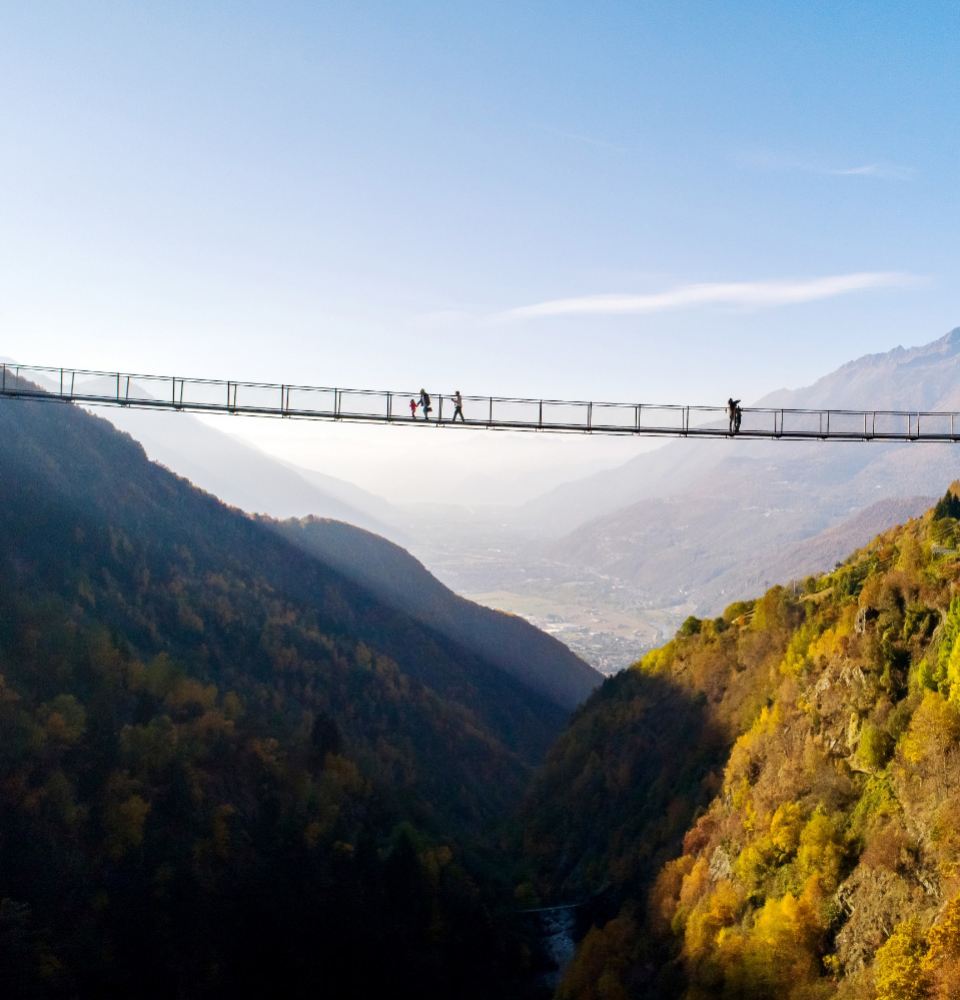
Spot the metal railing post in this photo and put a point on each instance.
(590, 416)
(540, 417)
(490, 418)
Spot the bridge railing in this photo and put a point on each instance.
(263, 398)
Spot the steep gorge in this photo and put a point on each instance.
(226, 760)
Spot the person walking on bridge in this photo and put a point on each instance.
(425, 403)
(413, 409)
(457, 407)
(733, 409)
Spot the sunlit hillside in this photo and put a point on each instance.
(773, 797)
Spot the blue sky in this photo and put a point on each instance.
(389, 194)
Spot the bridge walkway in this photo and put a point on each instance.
(367, 406)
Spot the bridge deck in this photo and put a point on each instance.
(262, 399)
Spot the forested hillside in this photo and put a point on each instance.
(533, 657)
(225, 766)
(770, 802)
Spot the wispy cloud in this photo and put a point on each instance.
(738, 294)
(881, 169)
(887, 171)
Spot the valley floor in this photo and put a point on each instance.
(595, 615)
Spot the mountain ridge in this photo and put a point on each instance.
(732, 492)
(548, 667)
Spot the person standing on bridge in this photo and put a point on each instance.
(733, 408)
(425, 404)
(457, 406)
(413, 409)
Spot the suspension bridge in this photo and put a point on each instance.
(303, 402)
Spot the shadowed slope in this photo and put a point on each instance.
(535, 659)
(223, 765)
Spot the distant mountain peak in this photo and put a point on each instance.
(921, 377)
